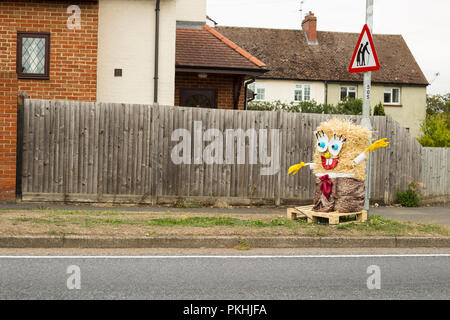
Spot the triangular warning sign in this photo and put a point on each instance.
(364, 57)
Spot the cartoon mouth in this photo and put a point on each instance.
(329, 164)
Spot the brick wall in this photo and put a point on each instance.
(73, 66)
(73, 53)
(8, 134)
(223, 83)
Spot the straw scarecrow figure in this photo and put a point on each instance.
(339, 164)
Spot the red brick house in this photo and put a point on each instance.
(113, 51)
(68, 71)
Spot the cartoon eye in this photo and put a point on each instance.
(335, 145)
(322, 141)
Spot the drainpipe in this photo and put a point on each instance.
(155, 77)
(245, 92)
(326, 92)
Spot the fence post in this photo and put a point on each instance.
(19, 145)
(278, 184)
(155, 149)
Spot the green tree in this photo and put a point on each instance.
(436, 130)
(437, 104)
(378, 110)
(436, 126)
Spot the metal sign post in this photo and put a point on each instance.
(366, 104)
(365, 60)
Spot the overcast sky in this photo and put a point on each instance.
(425, 25)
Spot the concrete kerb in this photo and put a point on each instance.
(221, 242)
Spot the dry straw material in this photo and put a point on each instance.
(357, 140)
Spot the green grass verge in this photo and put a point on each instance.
(374, 225)
(393, 227)
(222, 221)
(168, 222)
(93, 213)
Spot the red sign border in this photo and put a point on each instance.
(364, 69)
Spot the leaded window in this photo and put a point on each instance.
(33, 55)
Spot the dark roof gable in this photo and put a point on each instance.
(288, 56)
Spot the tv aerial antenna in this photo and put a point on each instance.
(437, 74)
(301, 8)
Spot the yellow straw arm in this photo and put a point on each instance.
(294, 169)
(377, 145)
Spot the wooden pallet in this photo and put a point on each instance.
(333, 217)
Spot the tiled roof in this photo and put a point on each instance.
(208, 48)
(288, 56)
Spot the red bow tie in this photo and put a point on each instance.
(325, 186)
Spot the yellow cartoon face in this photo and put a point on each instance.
(337, 143)
(329, 149)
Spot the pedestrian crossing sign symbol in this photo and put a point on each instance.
(364, 57)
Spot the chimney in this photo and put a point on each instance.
(309, 26)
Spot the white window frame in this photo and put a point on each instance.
(390, 90)
(301, 87)
(347, 90)
(258, 86)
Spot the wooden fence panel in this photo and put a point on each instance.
(435, 171)
(81, 151)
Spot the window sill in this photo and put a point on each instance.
(349, 98)
(392, 105)
(33, 77)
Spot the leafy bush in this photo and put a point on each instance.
(267, 106)
(303, 106)
(378, 110)
(348, 106)
(436, 130)
(437, 104)
(436, 126)
(314, 107)
(410, 197)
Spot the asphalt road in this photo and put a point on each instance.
(404, 276)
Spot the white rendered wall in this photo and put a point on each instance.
(191, 10)
(126, 41)
(283, 90)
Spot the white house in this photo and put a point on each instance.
(160, 49)
(306, 64)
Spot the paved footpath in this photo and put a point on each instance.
(272, 275)
(436, 215)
